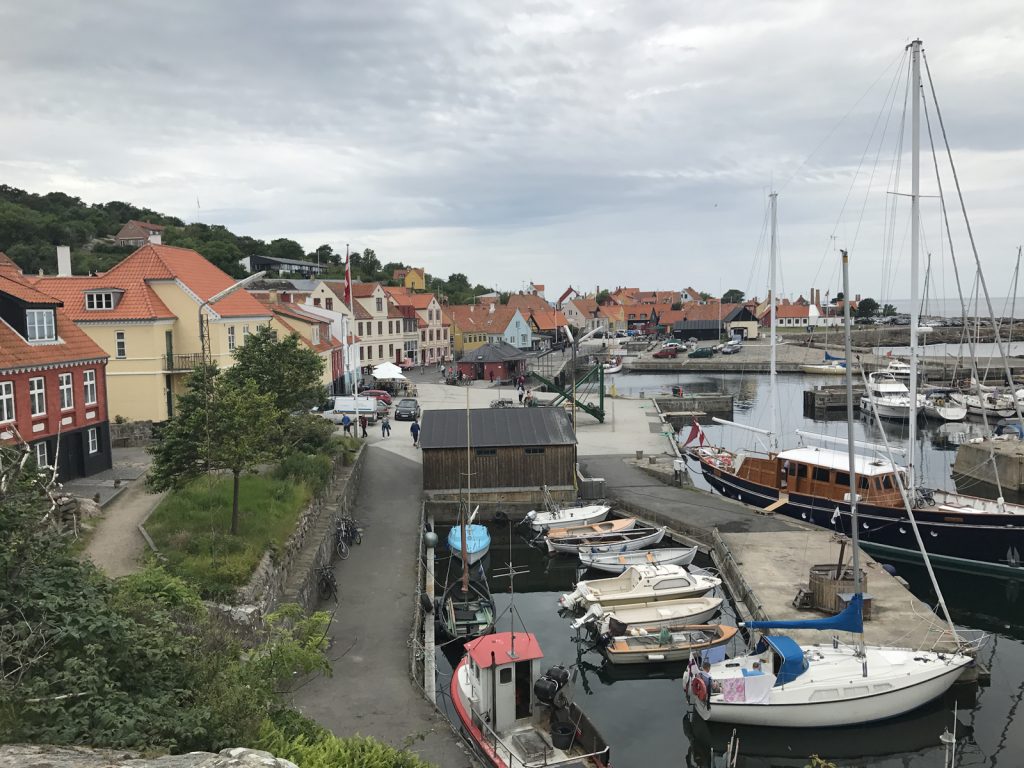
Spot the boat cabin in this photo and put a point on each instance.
(502, 670)
(824, 473)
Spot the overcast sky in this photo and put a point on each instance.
(588, 142)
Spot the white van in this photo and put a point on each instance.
(336, 408)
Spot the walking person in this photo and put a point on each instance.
(362, 424)
(385, 426)
(414, 430)
(346, 424)
(521, 396)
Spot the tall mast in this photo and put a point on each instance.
(851, 454)
(465, 512)
(915, 245)
(772, 398)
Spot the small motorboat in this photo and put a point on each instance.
(608, 543)
(613, 366)
(561, 517)
(667, 643)
(617, 562)
(618, 525)
(640, 584)
(478, 542)
(516, 716)
(616, 620)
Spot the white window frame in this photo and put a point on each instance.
(89, 387)
(99, 300)
(42, 456)
(231, 338)
(37, 396)
(93, 437)
(7, 413)
(120, 346)
(67, 393)
(40, 320)
(245, 333)
(314, 333)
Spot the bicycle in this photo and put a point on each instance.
(326, 583)
(346, 533)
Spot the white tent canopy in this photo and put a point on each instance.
(388, 372)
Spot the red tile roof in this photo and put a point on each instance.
(479, 319)
(707, 311)
(527, 301)
(8, 267)
(139, 301)
(363, 290)
(23, 291)
(792, 310)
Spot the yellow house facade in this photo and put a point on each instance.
(144, 313)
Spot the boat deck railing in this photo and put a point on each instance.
(512, 760)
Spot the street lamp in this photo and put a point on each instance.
(205, 351)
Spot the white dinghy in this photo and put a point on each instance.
(617, 562)
(554, 516)
(652, 615)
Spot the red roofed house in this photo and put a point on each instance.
(137, 233)
(314, 332)
(53, 386)
(386, 331)
(144, 314)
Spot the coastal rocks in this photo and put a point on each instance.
(44, 756)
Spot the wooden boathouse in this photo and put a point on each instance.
(512, 453)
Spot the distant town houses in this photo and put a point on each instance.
(271, 264)
(474, 325)
(53, 382)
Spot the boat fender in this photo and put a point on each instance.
(426, 602)
(889, 568)
(545, 689)
(559, 674)
(699, 688)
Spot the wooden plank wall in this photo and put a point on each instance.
(510, 467)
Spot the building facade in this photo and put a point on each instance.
(144, 315)
(53, 393)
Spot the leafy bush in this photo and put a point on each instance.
(312, 470)
(309, 746)
(308, 433)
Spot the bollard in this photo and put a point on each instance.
(639, 454)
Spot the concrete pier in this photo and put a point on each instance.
(974, 461)
(765, 572)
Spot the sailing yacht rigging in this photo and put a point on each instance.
(781, 684)
(809, 483)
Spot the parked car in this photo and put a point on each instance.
(336, 408)
(702, 352)
(732, 348)
(667, 352)
(380, 394)
(672, 343)
(621, 334)
(408, 409)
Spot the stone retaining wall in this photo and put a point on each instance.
(289, 576)
(131, 434)
(45, 756)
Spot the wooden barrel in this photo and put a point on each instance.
(826, 588)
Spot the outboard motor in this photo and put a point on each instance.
(594, 612)
(546, 687)
(571, 600)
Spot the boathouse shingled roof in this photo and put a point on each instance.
(496, 428)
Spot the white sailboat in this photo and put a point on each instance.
(780, 683)
(555, 516)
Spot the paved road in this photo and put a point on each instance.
(695, 511)
(370, 692)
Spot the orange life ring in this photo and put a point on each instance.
(699, 688)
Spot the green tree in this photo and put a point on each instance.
(222, 425)
(867, 308)
(888, 311)
(733, 296)
(284, 248)
(284, 368)
(604, 297)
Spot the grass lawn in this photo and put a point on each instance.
(190, 527)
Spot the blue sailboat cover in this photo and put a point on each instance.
(793, 662)
(851, 619)
(833, 357)
(477, 538)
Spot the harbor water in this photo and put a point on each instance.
(642, 711)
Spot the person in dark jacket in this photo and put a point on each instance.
(415, 431)
(362, 424)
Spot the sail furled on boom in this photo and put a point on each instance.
(851, 619)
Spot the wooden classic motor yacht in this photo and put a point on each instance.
(516, 716)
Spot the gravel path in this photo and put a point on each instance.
(116, 545)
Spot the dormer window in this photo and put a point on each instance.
(96, 300)
(40, 325)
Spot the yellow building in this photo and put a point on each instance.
(414, 278)
(314, 332)
(144, 313)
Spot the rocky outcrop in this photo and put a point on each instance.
(42, 756)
